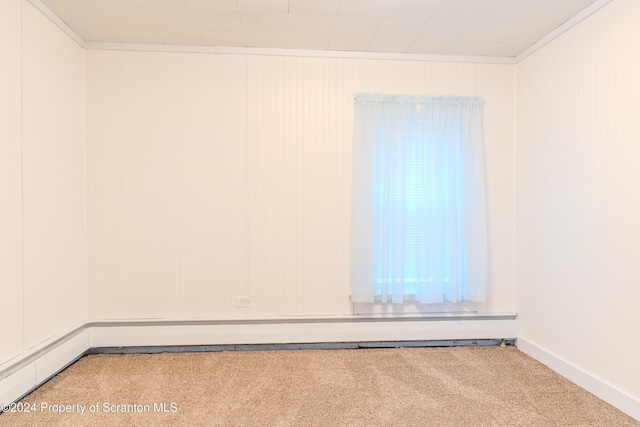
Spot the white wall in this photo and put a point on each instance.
(578, 198)
(10, 179)
(166, 167)
(213, 176)
(42, 180)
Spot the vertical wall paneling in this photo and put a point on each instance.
(11, 178)
(166, 167)
(216, 176)
(299, 167)
(578, 196)
(53, 179)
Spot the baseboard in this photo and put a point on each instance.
(21, 375)
(25, 373)
(585, 380)
(112, 334)
(17, 384)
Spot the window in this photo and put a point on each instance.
(418, 211)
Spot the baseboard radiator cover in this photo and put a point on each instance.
(298, 346)
(23, 374)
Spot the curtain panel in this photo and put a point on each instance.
(418, 219)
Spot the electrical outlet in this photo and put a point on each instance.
(244, 302)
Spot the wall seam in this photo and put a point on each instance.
(86, 187)
(248, 177)
(21, 137)
(514, 191)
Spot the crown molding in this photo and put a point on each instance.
(57, 21)
(230, 50)
(584, 14)
(305, 53)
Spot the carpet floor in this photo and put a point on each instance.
(463, 386)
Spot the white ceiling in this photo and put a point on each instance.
(503, 28)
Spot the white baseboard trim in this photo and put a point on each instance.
(604, 391)
(23, 374)
(16, 385)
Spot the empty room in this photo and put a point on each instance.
(308, 213)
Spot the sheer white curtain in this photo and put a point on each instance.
(418, 221)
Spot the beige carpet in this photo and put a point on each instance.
(464, 386)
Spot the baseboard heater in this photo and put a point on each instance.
(306, 346)
(20, 376)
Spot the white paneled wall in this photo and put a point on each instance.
(578, 197)
(53, 179)
(216, 176)
(10, 179)
(299, 166)
(42, 231)
(167, 183)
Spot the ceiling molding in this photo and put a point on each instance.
(59, 22)
(228, 50)
(584, 14)
(299, 53)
